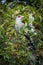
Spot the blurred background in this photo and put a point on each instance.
(21, 44)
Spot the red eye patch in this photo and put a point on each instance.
(19, 16)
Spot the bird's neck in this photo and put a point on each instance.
(18, 20)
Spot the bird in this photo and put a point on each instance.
(18, 24)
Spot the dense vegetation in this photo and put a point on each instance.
(15, 48)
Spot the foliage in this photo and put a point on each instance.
(14, 47)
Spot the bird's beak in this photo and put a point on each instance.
(22, 16)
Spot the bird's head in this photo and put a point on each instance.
(19, 17)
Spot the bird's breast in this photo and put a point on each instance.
(18, 25)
